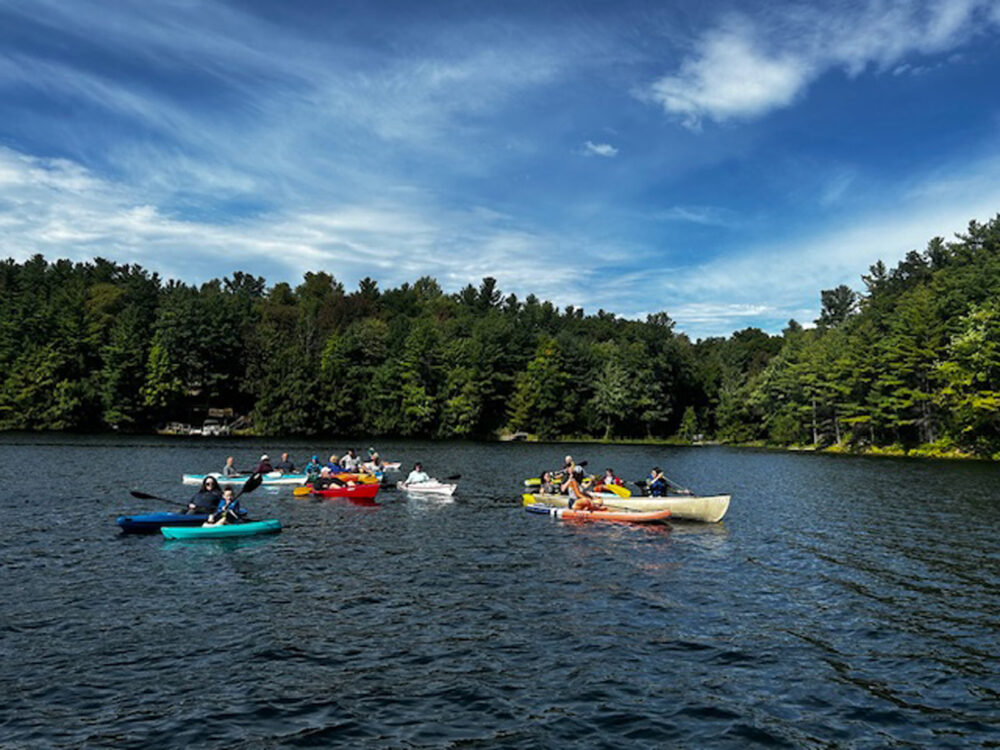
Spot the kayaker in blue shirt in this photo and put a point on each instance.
(285, 466)
(334, 466)
(206, 499)
(657, 484)
(228, 510)
(314, 466)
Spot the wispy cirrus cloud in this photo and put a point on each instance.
(744, 67)
(599, 149)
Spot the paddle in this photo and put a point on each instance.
(251, 484)
(147, 496)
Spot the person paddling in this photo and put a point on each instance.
(657, 485)
(579, 498)
(206, 499)
(418, 475)
(228, 510)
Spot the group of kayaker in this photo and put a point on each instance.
(349, 463)
(582, 490)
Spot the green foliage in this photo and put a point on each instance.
(913, 361)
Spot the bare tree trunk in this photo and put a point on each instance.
(815, 434)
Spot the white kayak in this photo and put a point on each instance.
(272, 477)
(431, 486)
(705, 508)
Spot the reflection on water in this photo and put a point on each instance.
(841, 603)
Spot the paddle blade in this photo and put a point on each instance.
(618, 490)
(252, 483)
(453, 477)
(142, 495)
(304, 490)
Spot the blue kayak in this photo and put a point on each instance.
(225, 531)
(150, 523)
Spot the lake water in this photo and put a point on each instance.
(843, 602)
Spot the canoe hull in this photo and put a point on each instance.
(432, 487)
(707, 508)
(150, 523)
(273, 478)
(226, 531)
(619, 516)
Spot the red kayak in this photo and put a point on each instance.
(357, 492)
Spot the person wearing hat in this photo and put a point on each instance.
(314, 466)
(264, 467)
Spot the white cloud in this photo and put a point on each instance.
(744, 67)
(599, 149)
(60, 210)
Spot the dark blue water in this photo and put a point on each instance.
(843, 602)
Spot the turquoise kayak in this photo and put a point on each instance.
(226, 531)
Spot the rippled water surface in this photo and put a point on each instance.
(843, 602)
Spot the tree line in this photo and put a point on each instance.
(912, 360)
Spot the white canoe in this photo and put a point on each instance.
(432, 487)
(272, 477)
(707, 508)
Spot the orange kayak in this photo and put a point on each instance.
(625, 516)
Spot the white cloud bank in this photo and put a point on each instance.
(745, 67)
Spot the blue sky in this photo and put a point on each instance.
(717, 161)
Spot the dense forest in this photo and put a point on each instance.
(913, 360)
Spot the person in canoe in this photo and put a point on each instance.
(334, 465)
(546, 485)
(608, 478)
(657, 485)
(230, 470)
(579, 498)
(374, 464)
(314, 467)
(206, 499)
(350, 461)
(285, 465)
(227, 510)
(264, 467)
(418, 475)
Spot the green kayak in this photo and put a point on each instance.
(250, 528)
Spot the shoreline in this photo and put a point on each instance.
(926, 451)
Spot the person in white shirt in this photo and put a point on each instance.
(417, 475)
